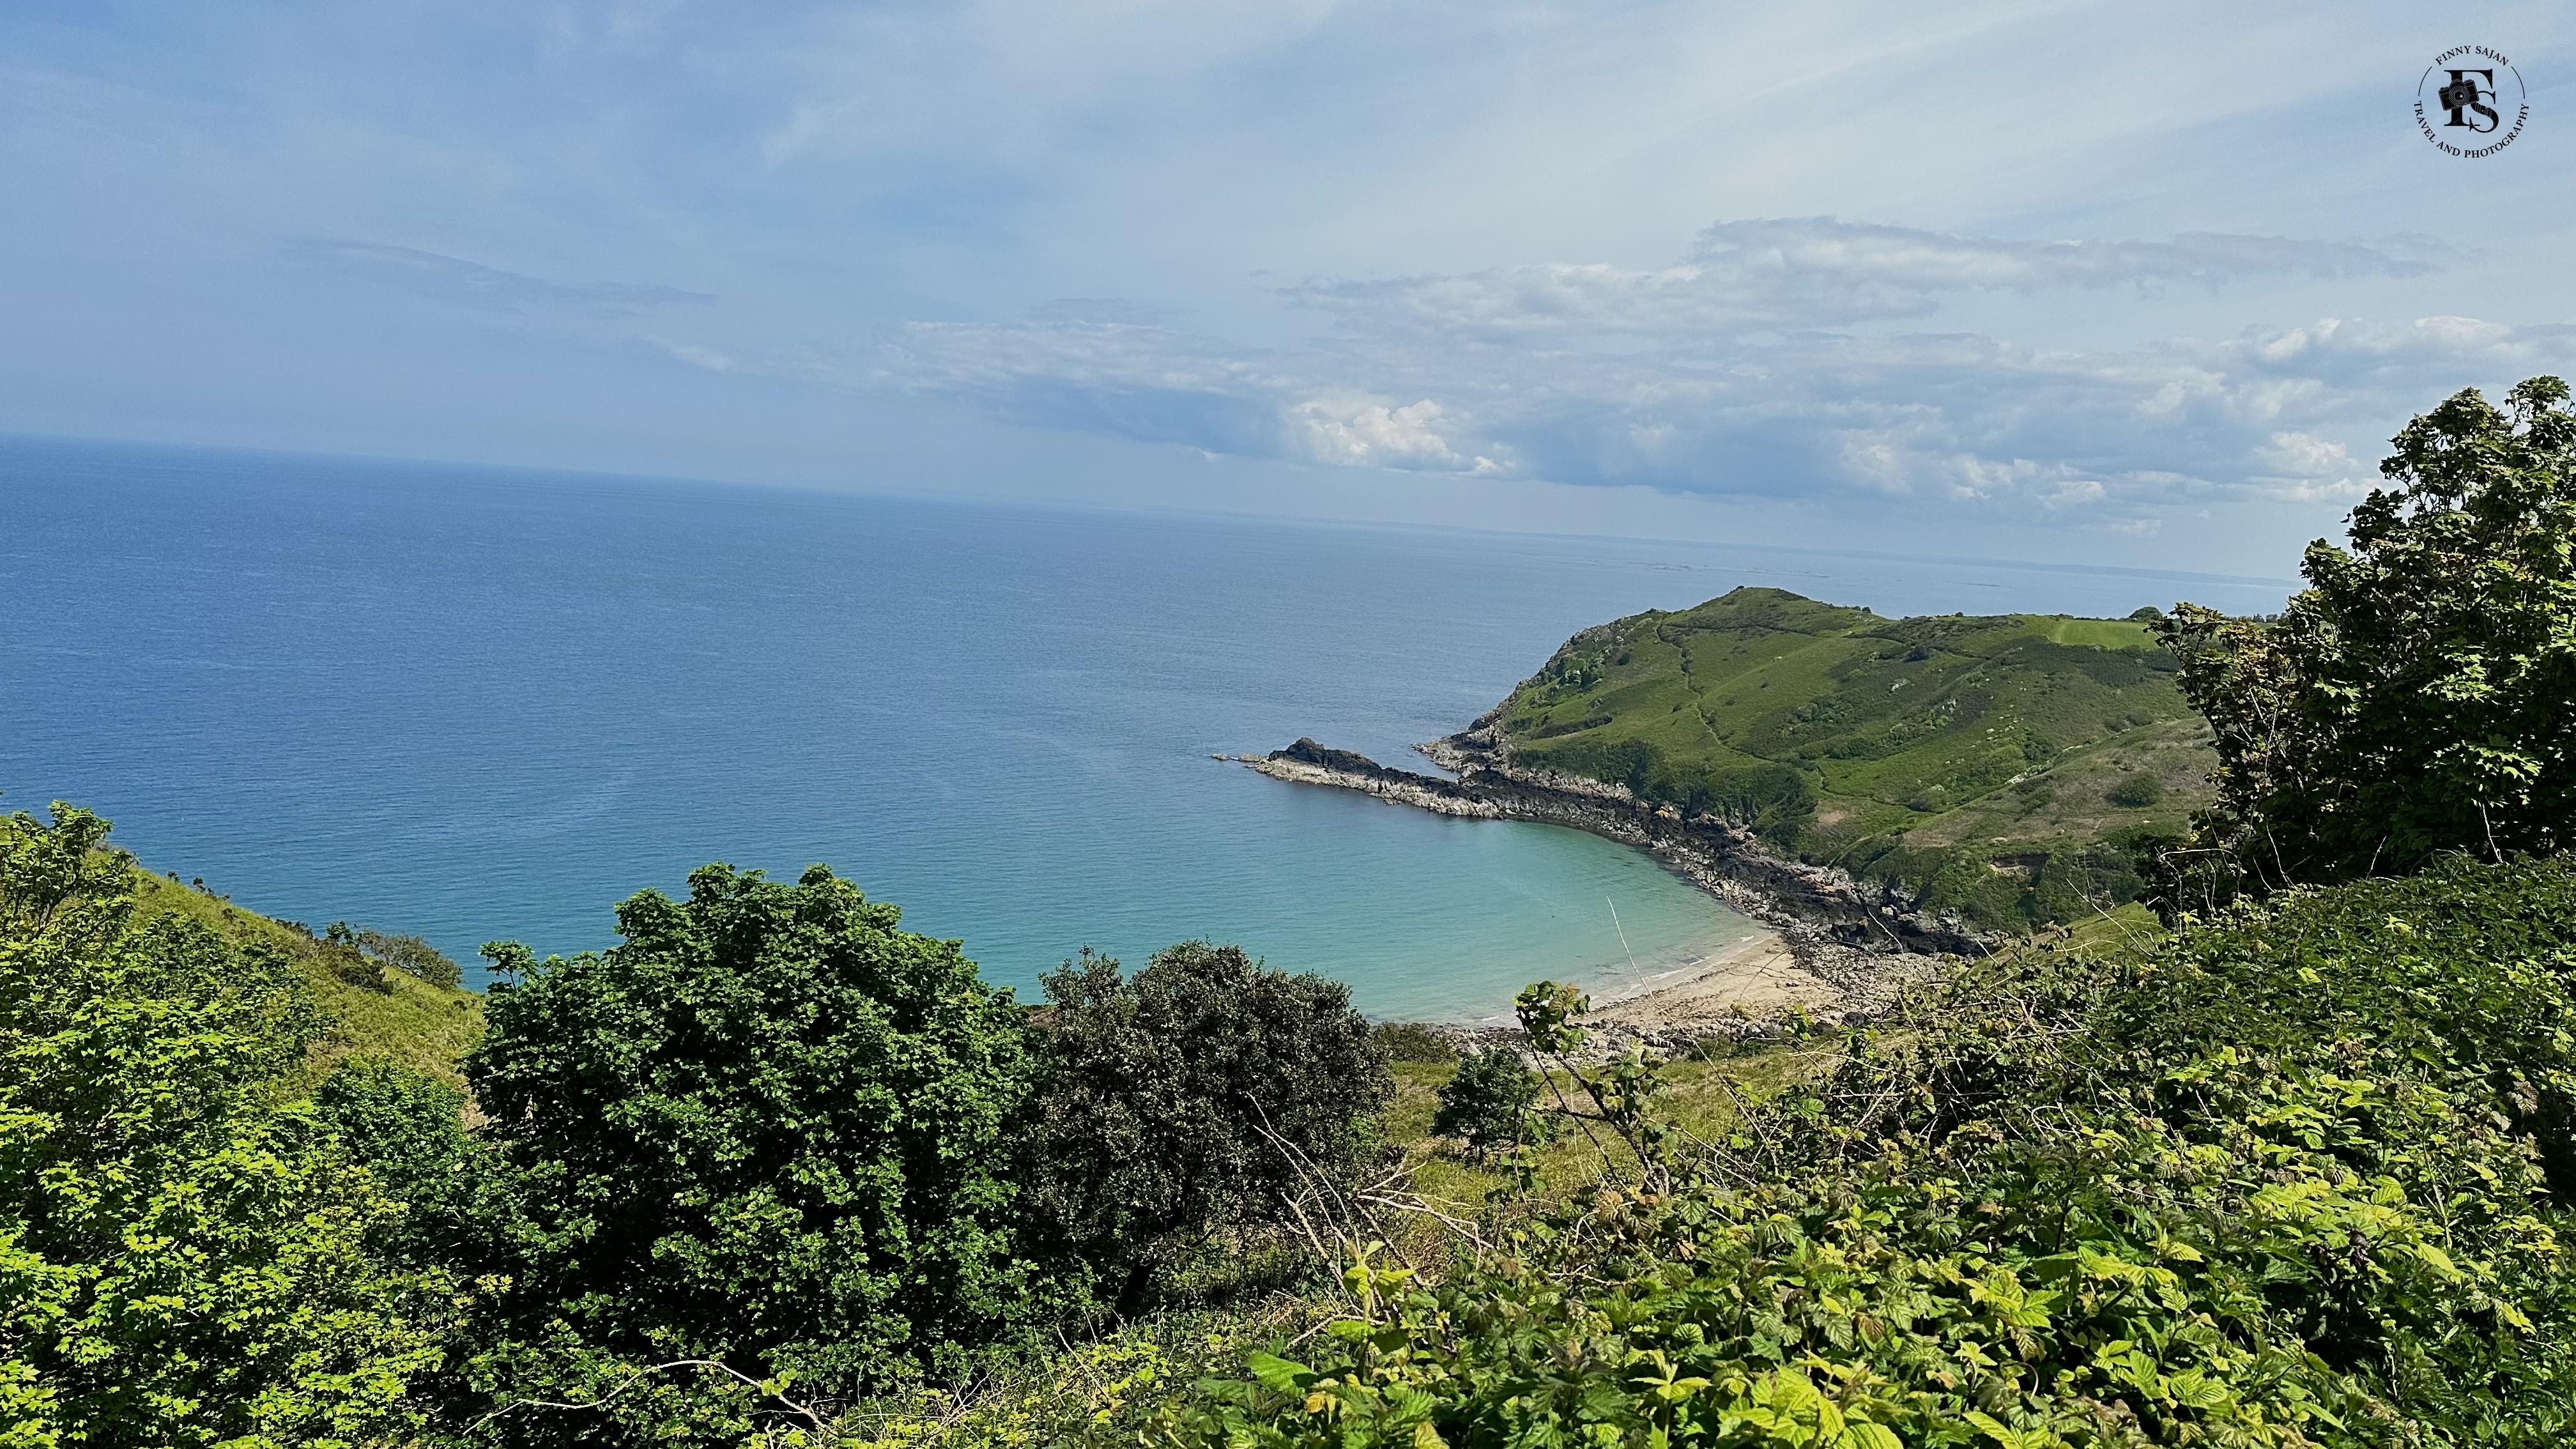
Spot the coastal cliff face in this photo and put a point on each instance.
(1863, 938)
(1727, 859)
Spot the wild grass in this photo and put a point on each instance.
(1979, 760)
(392, 1014)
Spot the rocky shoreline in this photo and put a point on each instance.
(1862, 941)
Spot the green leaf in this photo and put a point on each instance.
(1278, 1374)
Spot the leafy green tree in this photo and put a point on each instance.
(2420, 695)
(412, 954)
(182, 1259)
(770, 1129)
(1487, 1105)
(1205, 1091)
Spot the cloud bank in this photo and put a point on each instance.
(1778, 358)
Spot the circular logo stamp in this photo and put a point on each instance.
(2471, 101)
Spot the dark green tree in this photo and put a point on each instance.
(770, 1129)
(183, 1253)
(1486, 1106)
(1205, 1091)
(2420, 695)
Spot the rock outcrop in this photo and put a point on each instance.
(1864, 939)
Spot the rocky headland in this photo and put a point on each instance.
(1843, 947)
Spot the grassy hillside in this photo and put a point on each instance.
(384, 1012)
(2004, 766)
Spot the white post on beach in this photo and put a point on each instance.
(1635, 978)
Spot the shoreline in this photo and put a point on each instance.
(1837, 947)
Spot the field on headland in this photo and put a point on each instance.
(2004, 767)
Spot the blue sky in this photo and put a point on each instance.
(2142, 285)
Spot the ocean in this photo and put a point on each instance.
(477, 703)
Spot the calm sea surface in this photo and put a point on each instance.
(478, 704)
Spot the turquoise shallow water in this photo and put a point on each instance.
(476, 703)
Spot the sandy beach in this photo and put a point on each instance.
(1758, 978)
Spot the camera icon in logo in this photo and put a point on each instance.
(2464, 109)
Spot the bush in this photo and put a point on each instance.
(2272, 1184)
(408, 1130)
(770, 1129)
(1412, 1041)
(1205, 1091)
(1486, 1107)
(414, 955)
(2136, 792)
(361, 957)
(182, 1256)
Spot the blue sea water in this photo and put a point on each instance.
(478, 703)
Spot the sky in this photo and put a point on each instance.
(2137, 285)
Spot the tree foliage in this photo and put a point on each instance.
(1486, 1106)
(2420, 695)
(1205, 1090)
(770, 1129)
(407, 1130)
(183, 1258)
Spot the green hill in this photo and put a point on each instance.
(2004, 767)
(370, 1009)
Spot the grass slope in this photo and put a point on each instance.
(378, 1013)
(2003, 766)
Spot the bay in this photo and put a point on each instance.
(480, 703)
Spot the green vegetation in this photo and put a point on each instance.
(2414, 699)
(182, 1253)
(384, 952)
(1488, 1105)
(2288, 1169)
(1974, 760)
(1201, 1094)
(2271, 1182)
(771, 1154)
(364, 1011)
(786, 1116)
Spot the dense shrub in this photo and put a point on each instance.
(1486, 1107)
(1204, 1091)
(769, 1129)
(1412, 1041)
(408, 1130)
(2273, 1183)
(2136, 792)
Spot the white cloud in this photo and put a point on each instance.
(1774, 360)
(1807, 272)
(1358, 430)
(2305, 468)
